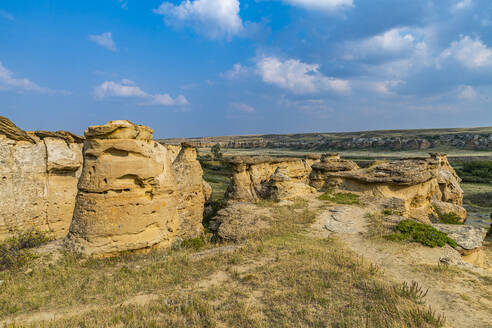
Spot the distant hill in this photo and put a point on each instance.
(418, 139)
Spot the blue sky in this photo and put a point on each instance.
(222, 67)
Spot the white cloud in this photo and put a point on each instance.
(384, 87)
(470, 53)
(328, 5)
(105, 40)
(9, 82)
(236, 72)
(243, 108)
(299, 77)
(462, 4)
(128, 88)
(395, 42)
(466, 92)
(213, 18)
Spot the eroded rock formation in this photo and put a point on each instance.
(127, 193)
(250, 173)
(281, 186)
(191, 192)
(38, 179)
(415, 187)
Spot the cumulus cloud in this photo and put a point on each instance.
(327, 5)
(213, 18)
(471, 53)
(105, 40)
(9, 82)
(129, 89)
(298, 77)
(243, 108)
(395, 42)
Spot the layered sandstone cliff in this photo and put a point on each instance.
(127, 193)
(38, 179)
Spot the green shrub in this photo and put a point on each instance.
(476, 171)
(14, 252)
(340, 197)
(194, 243)
(421, 233)
(447, 218)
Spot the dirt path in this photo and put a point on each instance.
(461, 293)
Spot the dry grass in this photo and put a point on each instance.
(283, 279)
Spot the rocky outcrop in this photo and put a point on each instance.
(192, 192)
(38, 179)
(173, 150)
(250, 173)
(127, 193)
(413, 185)
(468, 238)
(240, 220)
(281, 186)
(321, 176)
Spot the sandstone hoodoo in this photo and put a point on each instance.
(416, 186)
(250, 173)
(127, 193)
(281, 186)
(38, 179)
(192, 192)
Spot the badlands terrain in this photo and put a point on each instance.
(115, 229)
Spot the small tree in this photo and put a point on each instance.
(216, 151)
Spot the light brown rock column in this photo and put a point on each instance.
(191, 193)
(127, 192)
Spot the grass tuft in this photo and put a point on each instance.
(447, 218)
(340, 197)
(15, 253)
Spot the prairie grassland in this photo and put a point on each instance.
(286, 278)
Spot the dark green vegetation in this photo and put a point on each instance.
(217, 173)
(15, 252)
(481, 199)
(421, 233)
(476, 171)
(340, 197)
(447, 218)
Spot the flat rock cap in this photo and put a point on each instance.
(121, 129)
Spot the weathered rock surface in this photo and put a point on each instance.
(191, 192)
(38, 179)
(250, 173)
(412, 186)
(127, 192)
(173, 150)
(240, 220)
(282, 187)
(467, 237)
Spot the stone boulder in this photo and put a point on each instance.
(127, 193)
(448, 208)
(322, 177)
(191, 192)
(38, 179)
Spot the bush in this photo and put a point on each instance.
(447, 218)
(421, 233)
(194, 243)
(14, 252)
(340, 197)
(476, 171)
